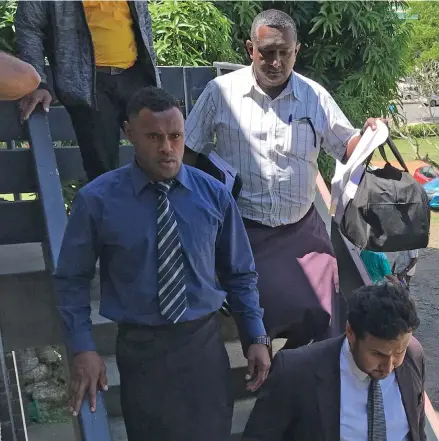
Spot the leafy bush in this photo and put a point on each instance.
(420, 130)
(241, 13)
(7, 30)
(190, 33)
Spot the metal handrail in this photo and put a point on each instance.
(93, 426)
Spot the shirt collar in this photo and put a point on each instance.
(347, 354)
(292, 87)
(140, 179)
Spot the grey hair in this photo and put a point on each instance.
(274, 19)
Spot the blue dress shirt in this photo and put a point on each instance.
(114, 218)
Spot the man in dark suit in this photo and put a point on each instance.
(367, 385)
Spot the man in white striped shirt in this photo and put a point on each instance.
(270, 123)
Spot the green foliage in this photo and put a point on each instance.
(420, 130)
(7, 30)
(424, 44)
(69, 190)
(326, 165)
(190, 33)
(241, 13)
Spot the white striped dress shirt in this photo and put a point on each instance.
(268, 142)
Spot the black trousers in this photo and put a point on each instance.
(98, 130)
(175, 382)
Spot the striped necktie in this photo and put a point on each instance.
(171, 274)
(376, 419)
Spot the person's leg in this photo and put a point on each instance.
(175, 387)
(407, 281)
(128, 83)
(97, 131)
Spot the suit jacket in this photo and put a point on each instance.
(301, 398)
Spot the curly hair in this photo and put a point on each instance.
(384, 311)
(152, 98)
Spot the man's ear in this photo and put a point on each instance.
(128, 131)
(249, 46)
(350, 335)
(296, 51)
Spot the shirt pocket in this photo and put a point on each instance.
(301, 140)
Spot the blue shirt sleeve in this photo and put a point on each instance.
(236, 270)
(73, 275)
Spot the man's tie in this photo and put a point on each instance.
(376, 419)
(171, 275)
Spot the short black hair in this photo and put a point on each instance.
(274, 19)
(152, 98)
(383, 311)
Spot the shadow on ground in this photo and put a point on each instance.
(424, 288)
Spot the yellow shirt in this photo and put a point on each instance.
(111, 27)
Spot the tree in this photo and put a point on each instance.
(424, 44)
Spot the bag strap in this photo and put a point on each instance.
(395, 152)
(383, 152)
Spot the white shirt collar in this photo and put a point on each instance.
(292, 87)
(347, 355)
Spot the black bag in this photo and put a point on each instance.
(390, 210)
(207, 166)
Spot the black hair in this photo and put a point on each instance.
(274, 19)
(383, 311)
(152, 98)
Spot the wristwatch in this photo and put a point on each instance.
(262, 340)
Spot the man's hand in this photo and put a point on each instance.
(29, 102)
(352, 143)
(372, 123)
(88, 374)
(258, 366)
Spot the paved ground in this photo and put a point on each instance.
(416, 112)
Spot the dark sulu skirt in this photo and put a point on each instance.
(175, 382)
(298, 278)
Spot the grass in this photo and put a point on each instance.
(428, 146)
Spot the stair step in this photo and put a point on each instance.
(241, 413)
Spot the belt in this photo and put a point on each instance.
(187, 324)
(110, 70)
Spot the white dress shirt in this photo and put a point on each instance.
(353, 402)
(403, 259)
(267, 141)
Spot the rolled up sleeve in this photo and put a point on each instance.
(236, 271)
(73, 275)
(337, 129)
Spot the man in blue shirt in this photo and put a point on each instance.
(163, 231)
